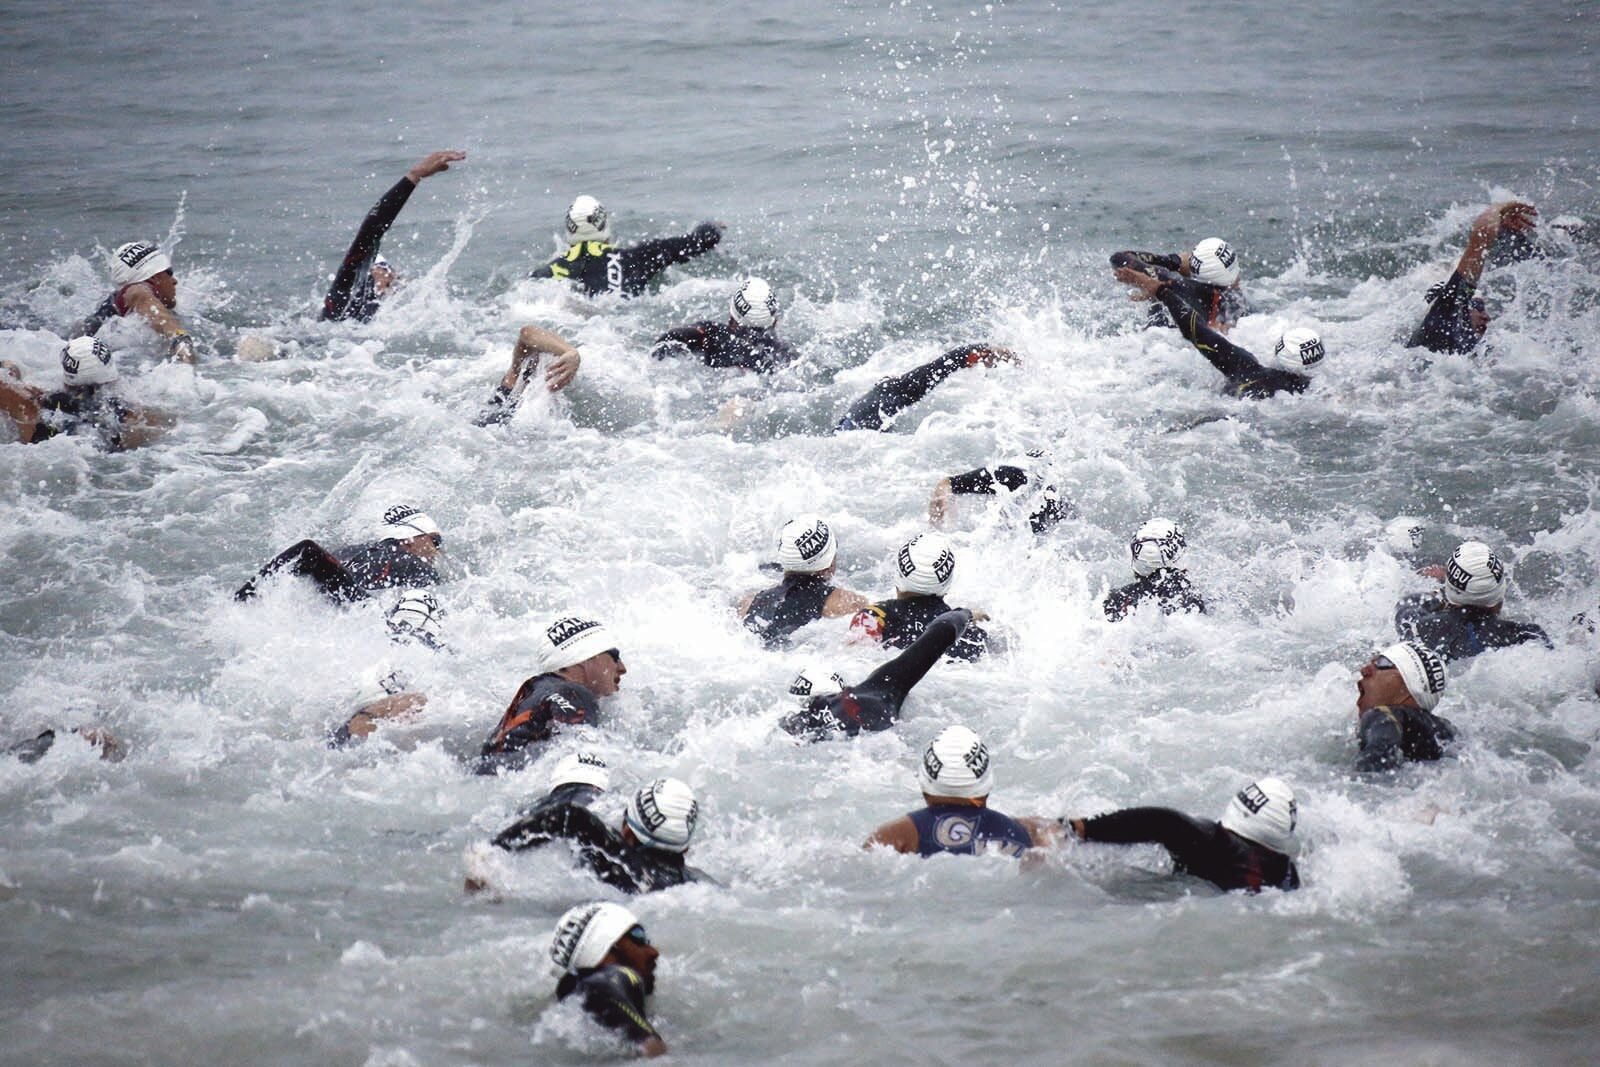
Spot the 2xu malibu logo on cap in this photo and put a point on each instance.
(561, 631)
(811, 543)
(136, 253)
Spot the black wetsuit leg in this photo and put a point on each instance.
(893, 395)
(349, 297)
(309, 560)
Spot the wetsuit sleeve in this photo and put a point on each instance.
(1447, 327)
(1178, 833)
(643, 261)
(97, 318)
(1154, 259)
(893, 395)
(313, 562)
(568, 822)
(895, 679)
(1124, 599)
(337, 304)
(674, 342)
(614, 998)
(1381, 737)
(33, 749)
(1235, 363)
(974, 482)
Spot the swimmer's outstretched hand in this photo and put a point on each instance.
(1141, 281)
(434, 162)
(992, 355)
(560, 369)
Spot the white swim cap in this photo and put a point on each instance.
(815, 681)
(587, 221)
(403, 522)
(1474, 576)
(87, 361)
(581, 768)
(806, 545)
(1265, 812)
(662, 815)
(754, 305)
(1300, 350)
(926, 564)
(1214, 262)
(416, 614)
(137, 261)
(956, 764)
(1421, 668)
(586, 933)
(569, 640)
(1403, 533)
(1157, 544)
(377, 683)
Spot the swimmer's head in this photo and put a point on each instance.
(1477, 311)
(569, 640)
(1265, 812)
(956, 764)
(581, 768)
(806, 545)
(585, 934)
(383, 276)
(754, 306)
(1403, 533)
(1214, 262)
(925, 565)
(138, 261)
(1420, 668)
(1475, 577)
(1300, 350)
(814, 680)
(1156, 545)
(663, 814)
(413, 528)
(87, 361)
(587, 220)
(416, 615)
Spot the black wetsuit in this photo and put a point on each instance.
(613, 996)
(33, 749)
(875, 703)
(1447, 327)
(630, 868)
(347, 574)
(1247, 377)
(964, 830)
(723, 344)
(352, 294)
(1459, 631)
(541, 705)
(79, 410)
(602, 268)
(1168, 587)
(893, 395)
(899, 622)
(1051, 509)
(776, 613)
(1200, 847)
(1390, 736)
(1217, 304)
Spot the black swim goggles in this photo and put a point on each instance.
(638, 936)
(616, 657)
(1383, 663)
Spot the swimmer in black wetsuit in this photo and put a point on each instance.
(806, 552)
(1251, 847)
(387, 693)
(1049, 510)
(33, 749)
(644, 855)
(748, 340)
(1208, 282)
(597, 266)
(532, 344)
(364, 277)
(1299, 351)
(86, 403)
(956, 780)
(408, 543)
(1395, 697)
(875, 703)
(1456, 318)
(606, 959)
(146, 287)
(579, 664)
(1157, 546)
(1466, 619)
(926, 567)
(889, 397)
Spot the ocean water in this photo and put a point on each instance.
(909, 176)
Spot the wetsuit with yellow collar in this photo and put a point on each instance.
(600, 267)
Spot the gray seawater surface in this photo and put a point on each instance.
(910, 176)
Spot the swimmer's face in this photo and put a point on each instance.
(633, 949)
(165, 285)
(382, 279)
(1480, 318)
(602, 672)
(424, 546)
(1380, 685)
